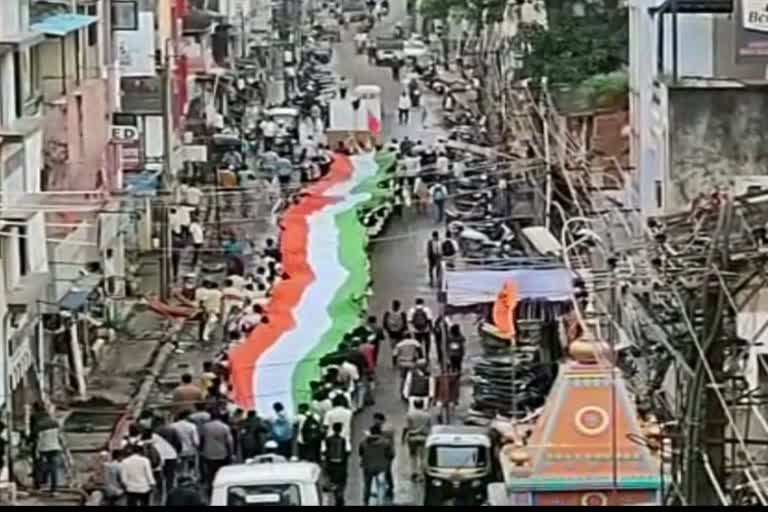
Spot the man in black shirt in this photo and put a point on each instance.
(336, 452)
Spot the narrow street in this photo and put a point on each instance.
(399, 259)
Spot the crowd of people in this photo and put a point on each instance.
(172, 457)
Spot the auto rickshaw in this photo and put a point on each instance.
(459, 466)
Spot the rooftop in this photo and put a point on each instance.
(250, 474)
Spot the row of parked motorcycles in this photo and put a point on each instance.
(477, 218)
(511, 381)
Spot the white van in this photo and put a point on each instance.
(289, 484)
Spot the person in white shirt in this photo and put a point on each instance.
(189, 435)
(198, 239)
(193, 197)
(440, 147)
(459, 167)
(110, 273)
(343, 87)
(237, 280)
(232, 298)
(175, 222)
(412, 167)
(419, 385)
(443, 166)
(340, 413)
(282, 130)
(250, 320)
(136, 474)
(208, 297)
(268, 132)
(404, 108)
(310, 145)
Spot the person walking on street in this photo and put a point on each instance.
(152, 453)
(343, 87)
(449, 251)
(434, 258)
(407, 353)
(421, 319)
(340, 413)
(208, 298)
(388, 431)
(456, 345)
(395, 322)
(137, 476)
(114, 488)
(404, 108)
(419, 385)
(282, 431)
(255, 433)
(185, 494)
(186, 395)
(49, 450)
(396, 66)
(418, 425)
(197, 232)
(189, 436)
(376, 456)
(310, 434)
(439, 194)
(377, 336)
(336, 452)
(216, 448)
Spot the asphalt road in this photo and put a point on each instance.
(399, 266)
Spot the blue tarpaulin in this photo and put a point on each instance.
(470, 287)
(143, 183)
(60, 25)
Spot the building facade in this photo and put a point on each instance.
(710, 55)
(58, 170)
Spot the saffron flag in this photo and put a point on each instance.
(504, 308)
(374, 126)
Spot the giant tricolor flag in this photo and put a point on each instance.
(323, 252)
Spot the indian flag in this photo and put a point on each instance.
(323, 248)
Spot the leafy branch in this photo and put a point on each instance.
(575, 48)
(477, 10)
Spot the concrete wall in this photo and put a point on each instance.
(77, 132)
(714, 135)
(706, 50)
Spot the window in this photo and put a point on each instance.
(23, 252)
(93, 28)
(458, 457)
(276, 495)
(658, 192)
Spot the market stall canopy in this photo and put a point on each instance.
(466, 288)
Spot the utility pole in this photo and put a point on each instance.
(547, 155)
(166, 178)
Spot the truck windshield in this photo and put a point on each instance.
(458, 457)
(286, 495)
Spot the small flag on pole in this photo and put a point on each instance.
(374, 125)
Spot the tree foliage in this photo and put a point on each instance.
(476, 10)
(575, 48)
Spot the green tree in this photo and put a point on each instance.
(472, 9)
(575, 48)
